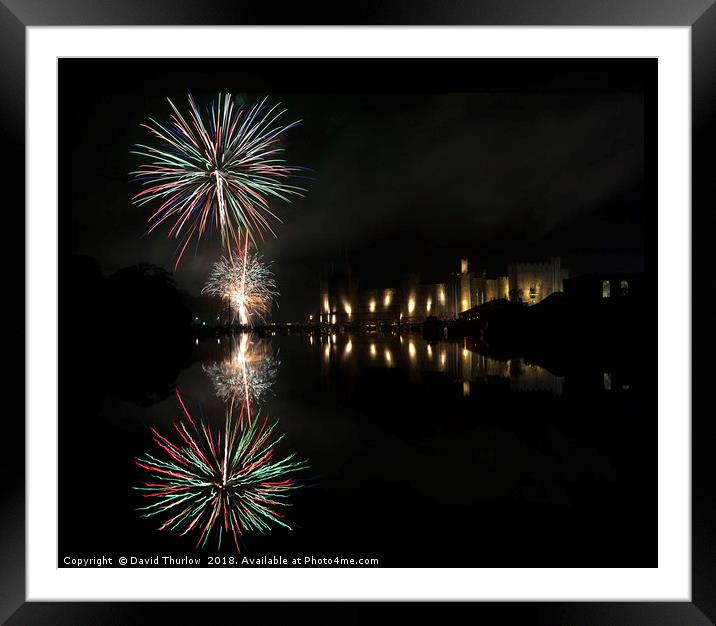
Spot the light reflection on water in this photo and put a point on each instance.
(246, 372)
(418, 357)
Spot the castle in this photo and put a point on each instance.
(343, 300)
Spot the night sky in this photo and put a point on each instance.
(415, 163)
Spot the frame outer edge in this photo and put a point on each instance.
(12, 175)
(12, 124)
(367, 12)
(703, 430)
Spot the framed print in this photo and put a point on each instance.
(340, 310)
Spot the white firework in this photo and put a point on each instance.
(246, 284)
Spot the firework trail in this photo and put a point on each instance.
(247, 375)
(218, 483)
(246, 284)
(217, 170)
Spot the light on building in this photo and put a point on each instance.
(386, 299)
(373, 351)
(442, 296)
(464, 304)
(411, 305)
(411, 350)
(333, 318)
(388, 356)
(327, 352)
(430, 352)
(429, 305)
(371, 306)
(347, 308)
(348, 348)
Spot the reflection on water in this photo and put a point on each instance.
(517, 465)
(218, 481)
(246, 372)
(417, 357)
(223, 479)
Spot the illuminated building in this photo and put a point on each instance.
(467, 286)
(339, 295)
(377, 304)
(344, 301)
(606, 289)
(533, 282)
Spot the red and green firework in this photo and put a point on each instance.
(216, 171)
(218, 483)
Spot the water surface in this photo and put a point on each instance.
(421, 453)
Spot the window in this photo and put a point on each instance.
(624, 287)
(606, 288)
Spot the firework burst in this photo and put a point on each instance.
(217, 170)
(219, 483)
(246, 284)
(246, 375)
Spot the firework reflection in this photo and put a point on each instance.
(221, 481)
(247, 374)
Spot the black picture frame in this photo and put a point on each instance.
(700, 15)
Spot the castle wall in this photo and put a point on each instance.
(342, 301)
(533, 282)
